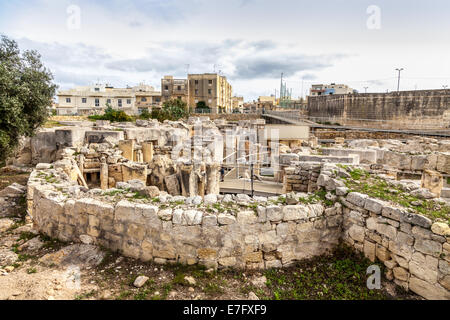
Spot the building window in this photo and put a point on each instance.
(68, 100)
(210, 81)
(196, 91)
(97, 102)
(158, 99)
(119, 103)
(128, 101)
(97, 89)
(83, 100)
(179, 88)
(196, 81)
(108, 101)
(144, 99)
(209, 91)
(166, 87)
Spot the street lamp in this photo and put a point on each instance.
(365, 89)
(398, 84)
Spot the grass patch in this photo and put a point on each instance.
(379, 188)
(341, 276)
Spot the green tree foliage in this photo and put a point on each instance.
(201, 107)
(145, 115)
(173, 110)
(26, 92)
(112, 115)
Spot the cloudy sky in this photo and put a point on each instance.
(252, 42)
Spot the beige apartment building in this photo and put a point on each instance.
(88, 100)
(211, 88)
(237, 103)
(329, 89)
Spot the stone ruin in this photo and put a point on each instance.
(121, 187)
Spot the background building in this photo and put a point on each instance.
(211, 88)
(174, 89)
(237, 104)
(94, 99)
(329, 89)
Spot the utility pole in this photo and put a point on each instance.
(365, 89)
(398, 84)
(188, 91)
(281, 89)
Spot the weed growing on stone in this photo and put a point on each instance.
(379, 188)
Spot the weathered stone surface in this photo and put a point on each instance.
(246, 217)
(387, 230)
(428, 247)
(356, 198)
(370, 250)
(427, 290)
(356, 233)
(441, 228)
(294, 212)
(374, 205)
(416, 219)
(225, 219)
(274, 213)
(140, 281)
(400, 274)
(392, 213)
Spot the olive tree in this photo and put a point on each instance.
(26, 92)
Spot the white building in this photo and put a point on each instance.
(329, 89)
(94, 99)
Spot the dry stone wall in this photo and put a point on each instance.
(265, 233)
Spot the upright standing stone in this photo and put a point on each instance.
(104, 181)
(147, 150)
(433, 181)
(127, 148)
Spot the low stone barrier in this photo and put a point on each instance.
(265, 233)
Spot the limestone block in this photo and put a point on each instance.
(173, 185)
(382, 253)
(416, 219)
(274, 213)
(401, 249)
(427, 290)
(227, 261)
(443, 163)
(207, 253)
(127, 148)
(209, 220)
(294, 212)
(268, 241)
(428, 247)
(441, 228)
(226, 219)
(246, 217)
(433, 181)
(400, 274)
(356, 198)
(370, 250)
(374, 205)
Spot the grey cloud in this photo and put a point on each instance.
(272, 67)
(79, 55)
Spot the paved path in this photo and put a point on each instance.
(244, 186)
